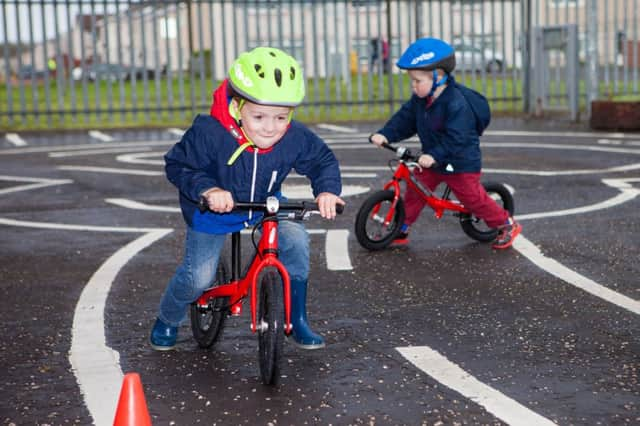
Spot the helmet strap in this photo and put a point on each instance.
(437, 83)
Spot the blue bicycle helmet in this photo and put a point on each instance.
(428, 54)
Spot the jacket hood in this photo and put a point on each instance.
(220, 111)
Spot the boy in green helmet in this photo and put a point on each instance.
(243, 151)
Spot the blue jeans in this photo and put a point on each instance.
(201, 254)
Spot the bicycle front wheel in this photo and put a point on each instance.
(371, 230)
(270, 324)
(207, 322)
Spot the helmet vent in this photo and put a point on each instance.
(292, 73)
(278, 76)
(258, 69)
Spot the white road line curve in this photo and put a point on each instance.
(71, 227)
(135, 205)
(452, 376)
(97, 151)
(142, 158)
(627, 193)
(95, 365)
(112, 170)
(37, 183)
(555, 268)
(34, 150)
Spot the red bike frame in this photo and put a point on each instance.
(439, 205)
(236, 290)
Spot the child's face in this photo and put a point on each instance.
(421, 82)
(264, 124)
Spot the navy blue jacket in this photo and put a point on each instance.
(199, 162)
(447, 130)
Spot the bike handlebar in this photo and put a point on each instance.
(402, 152)
(273, 205)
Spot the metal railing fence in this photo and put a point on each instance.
(73, 63)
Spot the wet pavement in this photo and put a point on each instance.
(444, 331)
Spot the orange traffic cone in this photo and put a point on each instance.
(132, 407)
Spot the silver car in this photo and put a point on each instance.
(472, 58)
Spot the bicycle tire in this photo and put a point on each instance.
(475, 227)
(371, 233)
(270, 324)
(207, 322)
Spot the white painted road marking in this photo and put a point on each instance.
(96, 134)
(36, 183)
(454, 377)
(334, 128)
(15, 139)
(96, 151)
(555, 268)
(111, 170)
(177, 132)
(97, 366)
(135, 205)
(628, 193)
(337, 250)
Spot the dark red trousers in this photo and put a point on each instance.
(467, 189)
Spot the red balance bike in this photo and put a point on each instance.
(270, 309)
(382, 214)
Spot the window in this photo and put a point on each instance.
(168, 28)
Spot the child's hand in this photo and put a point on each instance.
(327, 204)
(378, 139)
(219, 200)
(426, 161)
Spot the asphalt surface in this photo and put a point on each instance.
(445, 331)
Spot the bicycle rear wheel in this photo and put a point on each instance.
(207, 322)
(270, 324)
(371, 231)
(477, 228)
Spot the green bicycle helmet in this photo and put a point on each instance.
(268, 76)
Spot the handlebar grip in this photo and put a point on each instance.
(203, 206)
(389, 147)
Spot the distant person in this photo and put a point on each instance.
(385, 57)
(374, 49)
(52, 66)
(445, 115)
(242, 151)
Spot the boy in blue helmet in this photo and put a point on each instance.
(449, 124)
(243, 151)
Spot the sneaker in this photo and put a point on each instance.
(402, 239)
(163, 336)
(506, 234)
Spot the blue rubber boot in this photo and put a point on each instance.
(302, 336)
(163, 336)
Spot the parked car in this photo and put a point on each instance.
(27, 72)
(115, 72)
(472, 58)
(108, 72)
(139, 73)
